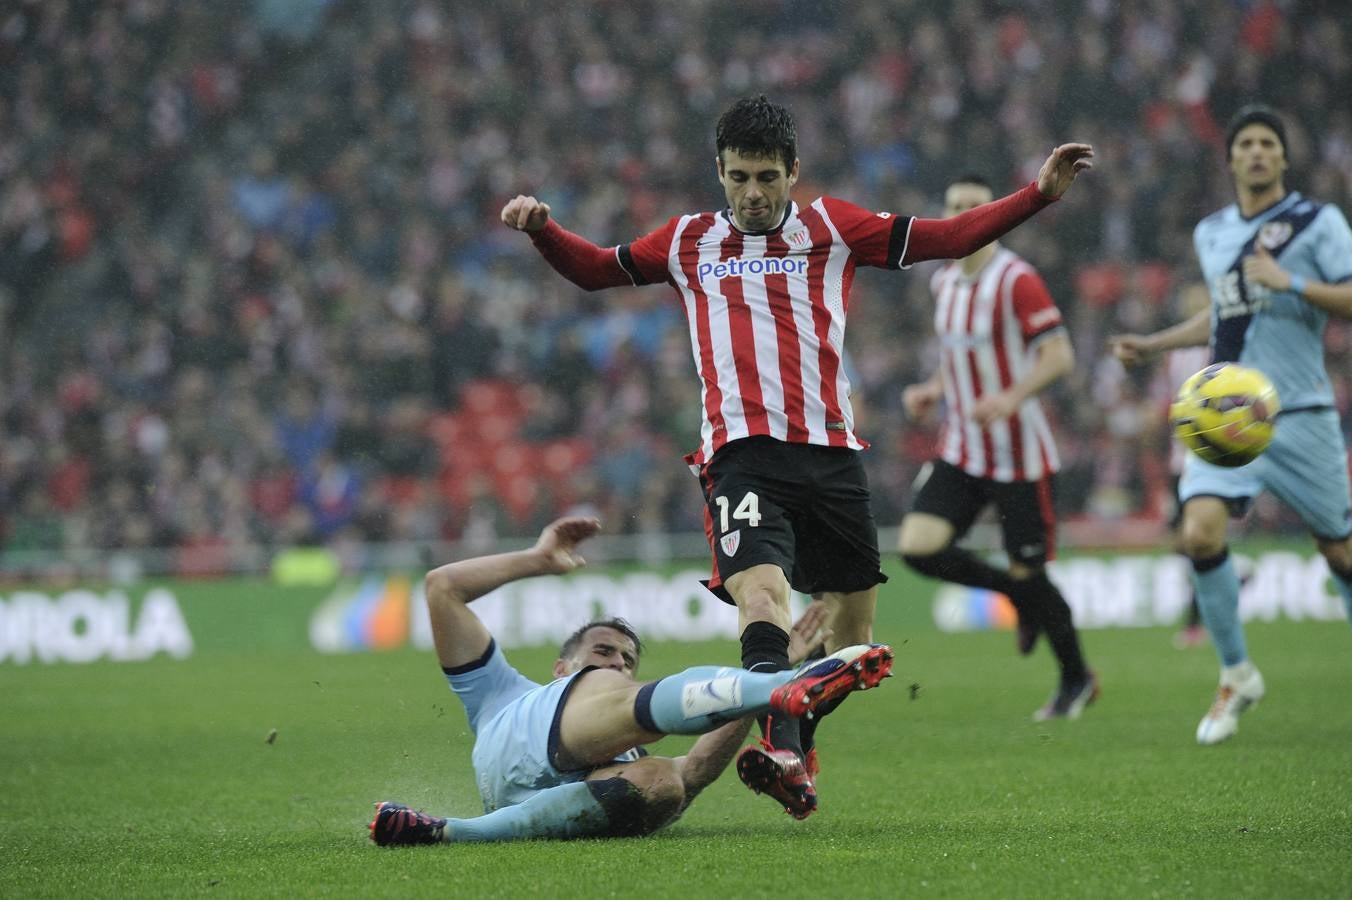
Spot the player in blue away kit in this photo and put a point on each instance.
(1278, 265)
(561, 760)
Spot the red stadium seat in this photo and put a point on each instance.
(1100, 284)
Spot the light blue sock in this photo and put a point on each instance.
(1218, 600)
(564, 811)
(704, 697)
(1344, 585)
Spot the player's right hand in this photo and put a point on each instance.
(558, 542)
(525, 213)
(1130, 349)
(919, 399)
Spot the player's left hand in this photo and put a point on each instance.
(558, 543)
(1261, 268)
(1060, 169)
(993, 408)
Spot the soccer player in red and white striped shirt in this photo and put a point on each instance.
(765, 285)
(1001, 342)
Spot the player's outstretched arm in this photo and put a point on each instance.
(1134, 349)
(459, 636)
(970, 230)
(1059, 171)
(585, 264)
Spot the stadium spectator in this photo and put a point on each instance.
(1003, 342)
(561, 760)
(125, 127)
(1278, 265)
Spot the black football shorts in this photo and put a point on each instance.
(802, 507)
(1026, 508)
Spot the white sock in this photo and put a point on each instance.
(1239, 672)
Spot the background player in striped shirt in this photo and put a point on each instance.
(1278, 265)
(765, 285)
(1001, 342)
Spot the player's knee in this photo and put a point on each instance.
(1202, 543)
(1339, 556)
(1201, 538)
(760, 607)
(914, 542)
(649, 795)
(762, 593)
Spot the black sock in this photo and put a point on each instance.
(1041, 599)
(964, 567)
(765, 648)
(960, 567)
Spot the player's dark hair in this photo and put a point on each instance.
(571, 644)
(973, 178)
(1254, 114)
(753, 126)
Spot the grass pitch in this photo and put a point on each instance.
(156, 779)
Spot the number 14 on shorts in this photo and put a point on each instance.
(748, 510)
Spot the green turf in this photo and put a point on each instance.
(155, 779)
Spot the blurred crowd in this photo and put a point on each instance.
(254, 290)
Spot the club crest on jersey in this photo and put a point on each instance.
(1274, 234)
(798, 237)
(730, 542)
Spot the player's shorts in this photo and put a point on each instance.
(516, 726)
(1027, 508)
(802, 507)
(1305, 467)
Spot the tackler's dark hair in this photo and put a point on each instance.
(620, 625)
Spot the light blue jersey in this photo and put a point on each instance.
(1282, 335)
(515, 723)
(1277, 332)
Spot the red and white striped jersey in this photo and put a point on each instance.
(987, 326)
(766, 313)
